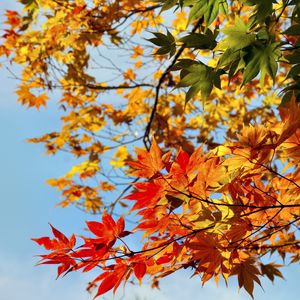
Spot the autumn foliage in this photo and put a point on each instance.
(189, 110)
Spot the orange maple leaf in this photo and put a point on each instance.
(210, 176)
(247, 273)
(149, 163)
(205, 248)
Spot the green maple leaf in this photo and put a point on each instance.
(208, 9)
(262, 59)
(238, 35)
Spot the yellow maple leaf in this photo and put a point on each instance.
(120, 157)
(129, 75)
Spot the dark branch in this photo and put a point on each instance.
(147, 141)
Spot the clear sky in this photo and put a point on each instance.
(28, 204)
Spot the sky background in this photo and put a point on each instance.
(28, 205)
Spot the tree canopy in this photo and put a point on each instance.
(189, 110)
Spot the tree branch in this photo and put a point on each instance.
(147, 141)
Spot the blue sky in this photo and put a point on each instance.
(28, 204)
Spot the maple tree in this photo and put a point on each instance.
(211, 88)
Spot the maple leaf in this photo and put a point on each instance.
(147, 194)
(129, 75)
(13, 18)
(107, 284)
(247, 274)
(271, 270)
(44, 241)
(206, 249)
(105, 186)
(40, 100)
(290, 116)
(28, 98)
(108, 231)
(60, 246)
(149, 163)
(61, 242)
(139, 270)
(210, 177)
(120, 157)
(138, 50)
